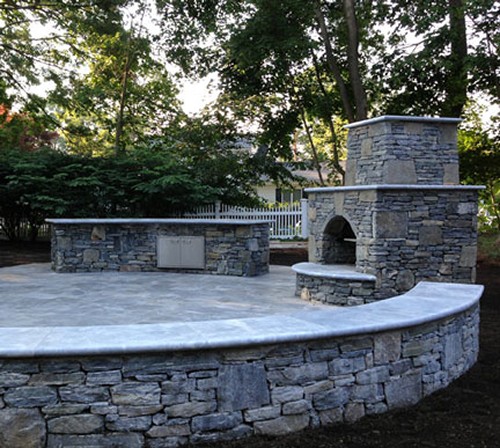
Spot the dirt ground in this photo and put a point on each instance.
(464, 415)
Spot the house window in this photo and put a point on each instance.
(288, 196)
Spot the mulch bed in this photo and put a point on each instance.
(464, 415)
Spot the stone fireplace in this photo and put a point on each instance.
(401, 218)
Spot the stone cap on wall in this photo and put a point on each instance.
(426, 302)
(169, 221)
(333, 271)
(443, 120)
(393, 187)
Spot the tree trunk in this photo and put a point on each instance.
(121, 108)
(313, 148)
(358, 89)
(331, 126)
(456, 88)
(332, 63)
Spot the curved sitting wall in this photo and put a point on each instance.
(170, 384)
(333, 284)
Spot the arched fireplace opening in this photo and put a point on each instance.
(339, 242)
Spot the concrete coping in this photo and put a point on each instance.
(393, 187)
(174, 221)
(333, 271)
(437, 120)
(425, 303)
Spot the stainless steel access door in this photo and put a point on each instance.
(186, 252)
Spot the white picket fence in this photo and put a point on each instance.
(287, 221)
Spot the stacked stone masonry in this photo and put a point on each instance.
(402, 236)
(171, 399)
(403, 150)
(409, 217)
(240, 249)
(343, 292)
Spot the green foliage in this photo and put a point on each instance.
(162, 177)
(479, 150)
(489, 246)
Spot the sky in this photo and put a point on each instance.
(197, 94)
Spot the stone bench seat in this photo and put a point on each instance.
(333, 271)
(334, 284)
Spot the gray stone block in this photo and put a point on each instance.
(468, 256)
(400, 172)
(368, 393)
(56, 379)
(373, 376)
(265, 413)
(286, 393)
(430, 235)
(216, 422)
(136, 394)
(330, 399)
(405, 280)
(64, 409)
(296, 407)
(30, 397)
(90, 256)
(171, 399)
(300, 374)
(451, 174)
(22, 428)
(129, 424)
(344, 366)
(169, 431)
(100, 364)
(84, 394)
(453, 350)
(98, 233)
(76, 424)
(387, 348)
(110, 377)
(137, 411)
(282, 425)
(353, 412)
(242, 386)
(191, 409)
(404, 391)
(178, 387)
(331, 416)
(11, 379)
(390, 224)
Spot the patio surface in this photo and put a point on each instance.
(47, 314)
(34, 296)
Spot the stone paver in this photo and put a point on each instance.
(33, 295)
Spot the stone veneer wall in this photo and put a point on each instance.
(170, 399)
(404, 234)
(240, 249)
(402, 150)
(335, 291)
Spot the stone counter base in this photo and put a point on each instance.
(170, 399)
(342, 292)
(227, 248)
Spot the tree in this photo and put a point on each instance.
(271, 59)
(479, 149)
(27, 59)
(438, 70)
(125, 96)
